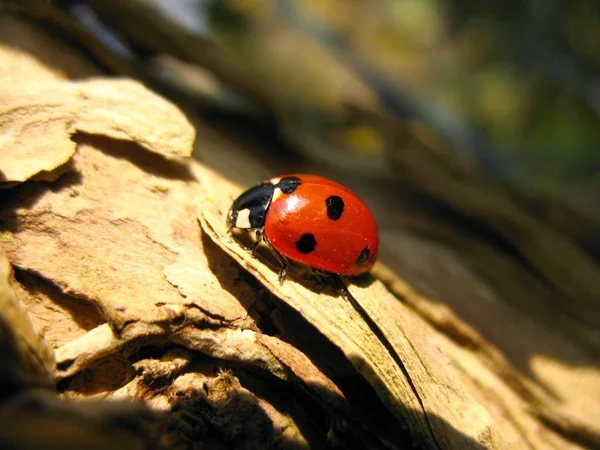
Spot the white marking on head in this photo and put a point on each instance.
(274, 181)
(243, 219)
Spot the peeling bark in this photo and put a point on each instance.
(130, 298)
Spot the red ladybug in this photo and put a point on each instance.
(310, 220)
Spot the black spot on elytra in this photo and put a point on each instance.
(306, 243)
(288, 185)
(363, 257)
(335, 207)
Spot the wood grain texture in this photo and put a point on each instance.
(451, 419)
(137, 301)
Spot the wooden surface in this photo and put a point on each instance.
(118, 242)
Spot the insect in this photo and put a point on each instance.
(310, 220)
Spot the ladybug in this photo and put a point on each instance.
(310, 220)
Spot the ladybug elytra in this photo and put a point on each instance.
(310, 220)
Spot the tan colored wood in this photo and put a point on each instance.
(462, 347)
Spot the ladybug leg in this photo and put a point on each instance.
(259, 238)
(284, 265)
(282, 260)
(340, 287)
(321, 278)
(282, 272)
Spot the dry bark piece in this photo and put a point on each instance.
(107, 222)
(26, 360)
(520, 429)
(546, 294)
(86, 227)
(128, 222)
(60, 318)
(120, 233)
(451, 419)
(38, 419)
(560, 262)
(527, 387)
(37, 120)
(210, 406)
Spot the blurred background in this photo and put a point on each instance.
(510, 87)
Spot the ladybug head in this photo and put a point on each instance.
(248, 211)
